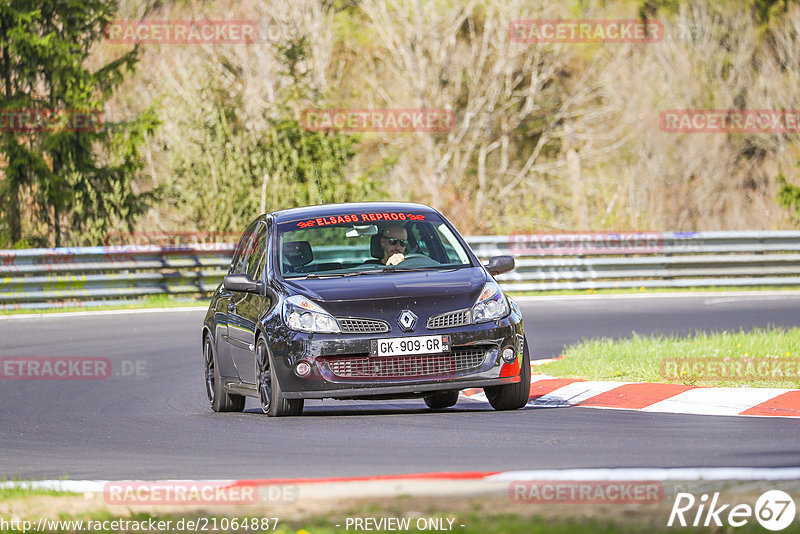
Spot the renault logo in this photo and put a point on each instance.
(407, 320)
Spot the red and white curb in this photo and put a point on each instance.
(552, 392)
(404, 482)
(589, 474)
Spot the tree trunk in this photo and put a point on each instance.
(56, 226)
(14, 215)
(264, 193)
(578, 190)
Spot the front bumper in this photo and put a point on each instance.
(341, 366)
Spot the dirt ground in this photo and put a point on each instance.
(460, 500)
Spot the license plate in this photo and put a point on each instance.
(402, 346)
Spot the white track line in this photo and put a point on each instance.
(688, 473)
(715, 401)
(527, 298)
(645, 295)
(575, 393)
(58, 315)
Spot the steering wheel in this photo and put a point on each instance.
(417, 260)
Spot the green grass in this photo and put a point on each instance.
(22, 490)
(663, 359)
(482, 515)
(484, 523)
(152, 301)
(490, 523)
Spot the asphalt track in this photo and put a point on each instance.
(155, 424)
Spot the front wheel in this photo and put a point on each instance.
(273, 403)
(219, 399)
(442, 399)
(513, 396)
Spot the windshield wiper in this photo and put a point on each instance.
(336, 275)
(390, 269)
(394, 269)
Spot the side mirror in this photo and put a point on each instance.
(500, 264)
(242, 282)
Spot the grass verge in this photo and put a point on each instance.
(488, 515)
(21, 490)
(152, 301)
(768, 357)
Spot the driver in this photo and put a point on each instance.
(393, 242)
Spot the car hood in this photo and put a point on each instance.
(434, 290)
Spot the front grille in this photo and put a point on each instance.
(362, 326)
(405, 366)
(449, 319)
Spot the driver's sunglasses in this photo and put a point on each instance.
(392, 241)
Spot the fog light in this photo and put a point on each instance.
(302, 369)
(509, 355)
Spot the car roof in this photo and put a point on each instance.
(323, 210)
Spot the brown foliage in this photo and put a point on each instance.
(547, 136)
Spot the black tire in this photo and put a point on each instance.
(272, 401)
(442, 399)
(219, 399)
(513, 396)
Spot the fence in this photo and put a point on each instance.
(87, 276)
(90, 276)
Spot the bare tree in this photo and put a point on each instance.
(511, 101)
(713, 57)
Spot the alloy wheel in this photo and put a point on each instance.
(208, 355)
(264, 377)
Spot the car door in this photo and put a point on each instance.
(223, 308)
(245, 309)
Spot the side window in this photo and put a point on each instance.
(239, 262)
(455, 254)
(421, 247)
(429, 243)
(257, 256)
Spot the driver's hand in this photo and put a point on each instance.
(395, 258)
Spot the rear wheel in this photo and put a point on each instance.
(513, 396)
(218, 398)
(273, 403)
(442, 399)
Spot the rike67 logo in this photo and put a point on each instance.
(774, 510)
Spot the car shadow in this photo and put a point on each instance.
(379, 408)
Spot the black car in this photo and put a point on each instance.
(312, 308)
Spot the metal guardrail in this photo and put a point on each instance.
(646, 259)
(90, 276)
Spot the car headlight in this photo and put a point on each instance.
(491, 304)
(300, 313)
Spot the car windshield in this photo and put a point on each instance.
(350, 244)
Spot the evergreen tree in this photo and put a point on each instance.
(789, 197)
(71, 178)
